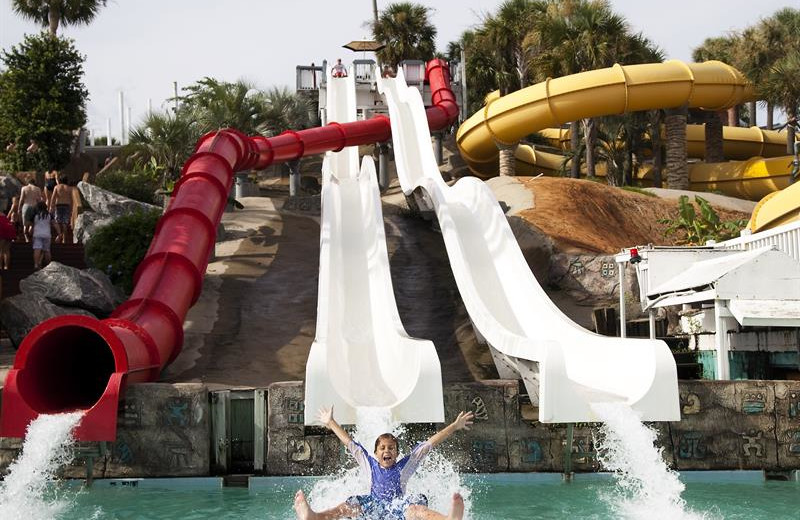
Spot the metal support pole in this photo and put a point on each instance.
(721, 343)
(383, 165)
(437, 147)
(294, 177)
(566, 474)
(651, 319)
(621, 269)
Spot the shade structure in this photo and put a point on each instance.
(364, 45)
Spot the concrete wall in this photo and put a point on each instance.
(165, 430)
(724, 425)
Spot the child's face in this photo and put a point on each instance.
(386, 453)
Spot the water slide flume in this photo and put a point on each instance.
(71, 363)
(362, 355)
(712, 85)
(738, 143)
(565, 366)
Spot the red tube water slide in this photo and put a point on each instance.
(70, 363)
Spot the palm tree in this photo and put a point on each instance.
(53, 13)
(677, 170)
(283, 110)
(217, 104)
(407, 33)
(165, 140)
(508, 36)
(777, 33)
(783, 88)
(585, 35)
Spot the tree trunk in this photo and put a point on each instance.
(751, 109)
(658, 147)
(714, 142)
(590, 131)
(627, 166)
(53, 17)
(574, 143)
(733, 116)
(507, 160)
(677, 168)
(791, 113)
(770, 110)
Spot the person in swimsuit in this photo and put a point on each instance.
(29, 196)
(50, 181)
(41, 236)
(387, 499)
(61, 207)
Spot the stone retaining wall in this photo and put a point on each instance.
(165, 430)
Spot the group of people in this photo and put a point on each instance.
(340, 71)
(38, 216)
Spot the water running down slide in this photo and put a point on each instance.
(362, 355)
(565, 366)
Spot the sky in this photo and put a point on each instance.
(140, 47)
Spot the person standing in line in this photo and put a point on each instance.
(14, 215)
(29, 196)
(7, 233)
(50, 181)
(61, 207)
(41, 235)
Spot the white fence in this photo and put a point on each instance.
(786, 238)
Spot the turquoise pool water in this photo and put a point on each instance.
(714, 495)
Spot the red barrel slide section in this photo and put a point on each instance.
(71, 363)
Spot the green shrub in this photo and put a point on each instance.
(118, 247)
(698, 229)
(138, 185)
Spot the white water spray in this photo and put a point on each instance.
(436, 478)
(646, 488)
(24, 493)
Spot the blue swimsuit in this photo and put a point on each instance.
(386, 499)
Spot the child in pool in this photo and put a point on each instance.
(388, 477)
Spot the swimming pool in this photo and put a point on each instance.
(729, 495)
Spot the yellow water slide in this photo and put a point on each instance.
(779, 207)
(712, 85)
(738, 142)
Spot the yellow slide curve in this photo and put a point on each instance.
(711, 85)
(739, 143)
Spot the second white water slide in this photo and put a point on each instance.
(567, 367)
(362, 356)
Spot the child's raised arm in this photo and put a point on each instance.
(462, 422)
(325, 416)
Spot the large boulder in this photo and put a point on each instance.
(88, 223)
(21, 313)
(109, 204)
(66, 286)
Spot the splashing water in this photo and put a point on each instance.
(436, 478)
(646, 488)
(24, 493)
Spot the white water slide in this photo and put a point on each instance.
(566, 366)
(362, 355)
